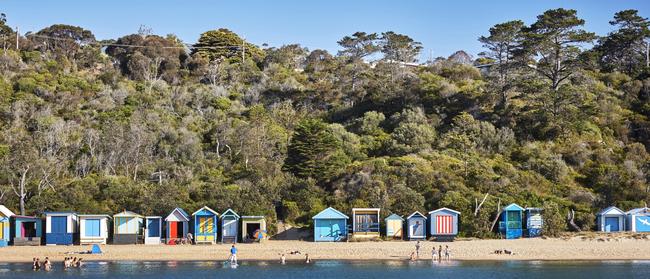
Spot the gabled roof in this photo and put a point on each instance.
(513, 207)
(229, 212)
(184, 215)
(330, 213)
(640, 210)
(94, 215)
(25, 217)
(612, 210)
(5, 211)
(127, 214)
(206, 208)
(414, 214)
(394, 217)
(56, 213)
(444, 209)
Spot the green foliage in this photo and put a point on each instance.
(286, 132)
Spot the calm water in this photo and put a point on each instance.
(342, 269)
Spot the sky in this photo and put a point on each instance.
(443, 27)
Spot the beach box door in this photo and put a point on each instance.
(153, 227)
(92, 228)
(206, 229)
(417, 229)
(230, 228)
(59, 230)
(327, 229)
(394, 228)
(611, 224)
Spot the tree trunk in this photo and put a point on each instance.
(496, 218)
(570, 216)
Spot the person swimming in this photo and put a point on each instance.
(79, 262)
(307, 258)
(47, 265)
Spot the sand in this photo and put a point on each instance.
(568, 248)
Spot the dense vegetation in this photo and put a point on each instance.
(550, 115)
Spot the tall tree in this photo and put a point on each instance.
(626, 48)
(359, 45)
(314, 151)
(502, 45)
(223, 43)
(64, 39)
(399, 48)
(554, 41)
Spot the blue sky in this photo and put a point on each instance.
(442, 26)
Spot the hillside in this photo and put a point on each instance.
(550, 115)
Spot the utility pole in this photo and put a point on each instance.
(17, 37)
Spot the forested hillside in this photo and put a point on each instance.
(549, 115)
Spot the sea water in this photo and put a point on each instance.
(342, 269)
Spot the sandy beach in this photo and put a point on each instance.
(603, 247)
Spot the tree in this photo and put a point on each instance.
(625, 49)
(223, 43)
(64, 39)
(155, 57)
(399, 48)
(314, 151)
(6, 33)
(502, 45)
(554, 43)
(359, 45)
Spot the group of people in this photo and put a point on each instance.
(435, 254)
(46, 265)
(72, 262)
(37, 265)
(283, 258)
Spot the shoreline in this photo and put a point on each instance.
(603, 248)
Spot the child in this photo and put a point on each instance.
(283, 259)
(434, 253)
(35, 264)
(447, 252)
(47, 265)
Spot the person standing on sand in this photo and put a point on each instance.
(417, 249)
(233, 254)
(447, 252)
(283, 259)
(440, 253)
(433, 253)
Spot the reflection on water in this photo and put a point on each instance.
(342, 269)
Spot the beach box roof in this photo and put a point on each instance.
(178, 214)
(612, 210)
(330, 213)
(394, 217)
(444, 210)
(127, 213)
(639, 211)
(416, 214)
(204, 209)
(4, 211)
(230, 212)
(513, 207)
